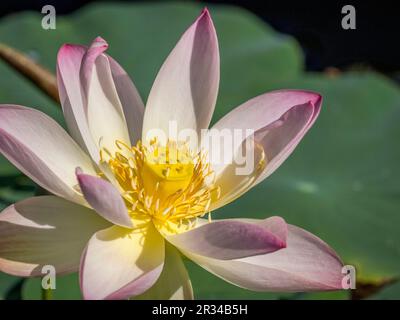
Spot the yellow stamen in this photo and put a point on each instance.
(166, 184)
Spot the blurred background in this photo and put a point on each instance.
(316, 26)
(342, 183)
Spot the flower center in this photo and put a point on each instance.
(169, 185)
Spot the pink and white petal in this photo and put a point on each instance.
(306, 264)
(105, 199)
(271, 144)
(45, 230)
(69, 60)
(131, 101)
(262, 111)
(186, 86)
(103, 108)
(173, 283)
(42, 150)
(119, 263)
(232, 239)
(75, 65)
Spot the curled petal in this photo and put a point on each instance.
(104, 112)
(105, 199)
(69, 62)
(306, 264)
(271, 126)
(97, 97)
(232, 239)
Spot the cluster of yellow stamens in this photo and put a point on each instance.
(167, 184)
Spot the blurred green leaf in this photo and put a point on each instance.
(7, 283)
(391, 292)
(330, 295)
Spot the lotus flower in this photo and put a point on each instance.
(122, 216)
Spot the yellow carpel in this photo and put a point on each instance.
(166, 171)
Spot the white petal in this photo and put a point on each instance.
(119, 263)
(43, 231)
(186, 86)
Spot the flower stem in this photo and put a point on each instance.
(31, 70)
(47, 294)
